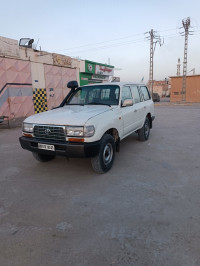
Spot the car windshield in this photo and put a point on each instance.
(96, 95)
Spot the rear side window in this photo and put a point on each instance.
(136, 94)
(145, 93)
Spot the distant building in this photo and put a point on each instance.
(192, 89)
(93, 72)
(162, 87)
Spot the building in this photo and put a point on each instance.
(33, 81)
(162, 87)
(93, 72)
(192, 89)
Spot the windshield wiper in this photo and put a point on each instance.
(95, 103)
(75, 104)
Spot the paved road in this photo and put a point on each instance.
(145, 211)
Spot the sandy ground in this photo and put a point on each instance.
(145, 211)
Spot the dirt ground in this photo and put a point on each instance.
(145, 211)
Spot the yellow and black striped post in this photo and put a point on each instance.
(40, 100)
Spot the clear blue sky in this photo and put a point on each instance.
(98, 30)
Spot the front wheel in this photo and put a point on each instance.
(104, 160)
(43, 157)
(143, 133)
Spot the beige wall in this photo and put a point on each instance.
(9, 47)
(158, 89)
(25, 70)
(37, 73)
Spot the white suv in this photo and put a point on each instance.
(90, 122)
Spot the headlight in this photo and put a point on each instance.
(28, 127)
(89, 131)
(74, 131)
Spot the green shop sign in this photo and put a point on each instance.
(102, 77)
(89, 67)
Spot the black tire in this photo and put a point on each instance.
(105, 158)
(143, 133)
(43, 157)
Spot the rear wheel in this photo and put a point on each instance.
(143, 133)
(43, 157)
(104, 160)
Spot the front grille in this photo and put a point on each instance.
(49, 132)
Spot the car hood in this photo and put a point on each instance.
(68, 115)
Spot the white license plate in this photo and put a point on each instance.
(46, 147)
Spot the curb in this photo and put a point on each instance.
(177, 104)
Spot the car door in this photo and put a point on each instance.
(129, 117)
(138, 107)
(147, 100)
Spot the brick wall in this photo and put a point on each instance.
(192, 89)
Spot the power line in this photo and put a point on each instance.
(120, 44)
(111, 40)
(112, 45)
(91, 44)
(123, 44)
(92, 47)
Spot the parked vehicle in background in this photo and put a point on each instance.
(90, 122)
(155, 97)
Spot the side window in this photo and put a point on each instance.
(136, 94)
(145, 93)
(126, 93)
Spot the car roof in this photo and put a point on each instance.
(116, 83)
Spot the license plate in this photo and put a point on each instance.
(46, 147)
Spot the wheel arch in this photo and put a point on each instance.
(115, 134)
(150, 119)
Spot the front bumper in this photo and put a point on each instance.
(67, 149)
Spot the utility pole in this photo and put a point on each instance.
(151, 61)
(178, 68)
(186, 26)
(154, 39)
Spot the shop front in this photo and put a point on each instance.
(92, 72)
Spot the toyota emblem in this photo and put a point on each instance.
(47, 131)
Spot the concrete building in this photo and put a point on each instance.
(192, 89)
(93, 72)
(33, 81)
(162, 87)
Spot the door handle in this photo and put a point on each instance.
(135, 111)
(145, 107)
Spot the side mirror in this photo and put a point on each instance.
(72, 84)
(127, 102)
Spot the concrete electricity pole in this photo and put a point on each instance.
(186, 26)
(154, 39)
(151, 33)
(178, 68)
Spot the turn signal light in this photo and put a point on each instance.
(75, 140)
(27, 135)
